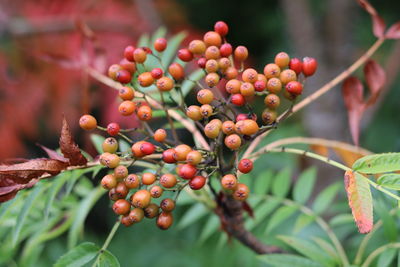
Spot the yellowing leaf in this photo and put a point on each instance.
(360, 200)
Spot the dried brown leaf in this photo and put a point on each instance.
(52, 153)
(69, 148)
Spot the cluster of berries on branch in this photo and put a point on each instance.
(224, 114)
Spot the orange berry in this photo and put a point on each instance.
(250, 75)
(168, 180)
(272, 101)
(160, 135)
(141, 199)
(139, 55)
(212, 130)
(194, 157)
(229, 182)
(228, 127)
(231, 73)
(121, 207)
(160, 44)
(165, 220)
(241, 53)
(136, 215)
(241, 193)
(194, 113)
(233, 86)
(269, 116)
(282, 60)
(126, 108)
(212, 38)
(144, 113)
(110, 145)
(274, 85)
(148, 178)
(224, 63)
(197, 47)
(156, 191)
(88, 122)
(211, 66)
(205, 96)
(206, 110)
(145, 79)
(120, 172)
(247, 89)
(126, 93)
(287, 76)
(247, 127)
(182, 151)
(212, 79)
(165, 84)
(271, 71)
(132, 181)
(233, 141)
(176, 71)
(212, 52)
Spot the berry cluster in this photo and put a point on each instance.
(224, 114)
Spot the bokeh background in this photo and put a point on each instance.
(45, 43)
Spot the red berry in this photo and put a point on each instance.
(147, 50)
(128, 65)
(197, 182)
(185, 55)
(165, 220)
(241, 117)
(169, 156)
(226, 50)
(309, 66)
(147, 148)
(245, 166)
(113, 128)
(123, 76)
(187, 171)
(296, 65)
(221, 28)
(157, 73)
(128, 52)
(294, 88)
(160, 44)
(260, 86)
(238, 100)
(202, 62)
(121, 207)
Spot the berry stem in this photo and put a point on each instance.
(107, 242)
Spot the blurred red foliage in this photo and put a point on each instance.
(43, 46)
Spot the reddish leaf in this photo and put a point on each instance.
(248, 208)
(24, 175)
(360, 200)
(394, 31)
(375, 77)
(352, 90)
(69, 148)
(378, 24)
(52, 153)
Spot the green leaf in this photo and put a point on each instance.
(391, 181)
(210, 227)
(81, 213)
(386, 257)
(123, 146)
(378, 163)
(279, 216)
(307, 249)
(194, 213)
(75, 175)
(341, 219)
(28, 203)
(60, 180)
(107, 259)
(304, 185)
(325, 198)
(281, 183)
(78, 256)
(189, 84)
(4, 207)
(302, 221)
(173, 45)
(262, 182)
(327, 247)
(144, 40)
(97, 141)
(288, 260)
(261, 212)
(388, 222)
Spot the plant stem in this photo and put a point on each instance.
(107, 242)
(378, 251)
(171, 123)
